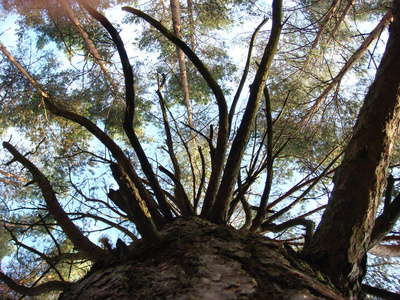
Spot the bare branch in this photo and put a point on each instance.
(37, 290)
(232, 167)
(223, 132)
(80, 242)
(130, 109)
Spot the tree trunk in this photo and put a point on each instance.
(197, 259)
(176, 22)
(342, 239)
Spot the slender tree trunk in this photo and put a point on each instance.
(176, 22)
(191, 22)
(342, 239)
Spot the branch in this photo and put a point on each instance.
(46, 258)
(245, 71)
(182, 201)
(219, 158)
(88, 42)
(130, 109)
(384, 294)
(384, 250)
(108, 222)
(302, 196)
(232, 167)
(385, 222)
(37, 290)
(79, 241)
(262, 211)
(308, 224)
(373, 36)
(129, 200)
(116, 151)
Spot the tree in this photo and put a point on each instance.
(199, 229)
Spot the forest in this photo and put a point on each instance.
(199, 149)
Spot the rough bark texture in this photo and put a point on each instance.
(342, 239)
(197, 259)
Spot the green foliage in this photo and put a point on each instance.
(304, 141)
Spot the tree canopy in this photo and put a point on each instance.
(273, 117)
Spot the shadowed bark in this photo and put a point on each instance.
(342, 239)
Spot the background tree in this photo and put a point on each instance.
(98, 154)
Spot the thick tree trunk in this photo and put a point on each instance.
(200, 260)
(342, 239)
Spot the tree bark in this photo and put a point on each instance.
(176, 23)
(200, 260)
(342, 239)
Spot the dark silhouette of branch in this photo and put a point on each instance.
(80, 242)
(245, 71)
(116, 151)
(302, 196)
(380, 292)
(108, 222)
(49, 233)
(130, 109)
(385, 222)
(223, 128)
(262, 210)
(182, 201)
(37, 290)
(308, 224)
(232, 167)
(34, 251)
(128, 199)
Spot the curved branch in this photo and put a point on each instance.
(245, 71)
(80, 242)
(130, 109)
(43, 256)
(37, 290)
(218, 161)
(116, 151)
(385, 222)
(232, 168)
(308, 225)
(108, 222)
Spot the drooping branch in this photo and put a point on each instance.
(80, 242)
(130, 109)
(232, 168)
